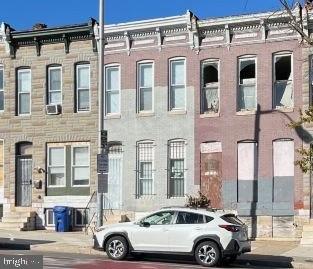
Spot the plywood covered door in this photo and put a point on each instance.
(211, 172)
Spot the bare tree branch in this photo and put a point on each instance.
(294, 23)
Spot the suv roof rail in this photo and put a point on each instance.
(173, 206)
(211, 209)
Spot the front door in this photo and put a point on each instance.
(23, 181)
(211, 172)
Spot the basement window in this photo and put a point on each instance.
(247, 84)
(210, 87)
(283, 82)
(49, 217)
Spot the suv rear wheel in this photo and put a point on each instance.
(116, 248)
(207, 254)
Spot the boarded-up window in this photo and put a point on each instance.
(283, 151)
(247, 160)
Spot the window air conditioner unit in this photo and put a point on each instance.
(53, 109)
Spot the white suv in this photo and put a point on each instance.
(210, 236)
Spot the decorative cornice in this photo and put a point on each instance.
(40, 37)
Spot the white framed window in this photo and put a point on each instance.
(145, 86)
(1, 88)
(80, 217)
(210, 86)
(177, 94)
(56, 167)
(80, 166)
(283, 81)
(247, 84)
(49, 215)
(112, 89)
(82, 87)
(145, 168)
(54, 85)
(176, 168)
(24, 91)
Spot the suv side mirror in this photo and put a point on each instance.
(145, 224)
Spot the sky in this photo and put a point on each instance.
(23, 14)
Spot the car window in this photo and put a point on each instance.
(160, 218)
(208, 219)
(230, 218)
(189, 218)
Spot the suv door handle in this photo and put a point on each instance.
(165, 230)
(198, 228)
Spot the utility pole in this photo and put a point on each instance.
(100, 200)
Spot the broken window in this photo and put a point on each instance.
(247, 84)
(283, 88)
(210, 87)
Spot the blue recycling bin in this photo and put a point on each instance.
(62, 218)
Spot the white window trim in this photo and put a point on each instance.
(61, 84)
(19, 71)
(210, 61)
(145, 62)
(170, 108)
(73, 166)
(105, 89)
(242, 59)
(2, 68)
(78, 66)
(153, 166)
(64, 165)
(185, 164)
(275, 56)
(75, 217)
(47, 217)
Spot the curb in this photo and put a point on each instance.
(66, 249)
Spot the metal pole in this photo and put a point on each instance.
(100, 200)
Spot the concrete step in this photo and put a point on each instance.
(307, 241)
(5, 225)
(16, 219)
(20, 214)
(23, 209)
(307, 235)
(308, 228)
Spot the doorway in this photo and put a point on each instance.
(23, 175)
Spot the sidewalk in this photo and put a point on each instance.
(279, 254)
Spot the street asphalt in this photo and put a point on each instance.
(83, 261)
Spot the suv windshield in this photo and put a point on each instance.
(159, 218)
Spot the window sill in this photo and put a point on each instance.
(146, 196)
(112, 116)
(177, 112)
(245, 112)
(145, 114)
(284, 109)
(209, 115)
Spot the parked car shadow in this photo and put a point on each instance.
(20, 244)
(246, 260)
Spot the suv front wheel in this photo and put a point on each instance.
(116, 248)
(207, 254)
